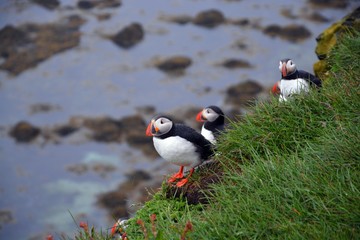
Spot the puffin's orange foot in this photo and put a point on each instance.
(182, 182)
(175, 177)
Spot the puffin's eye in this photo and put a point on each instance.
(291, 63)
(161, 121)
(207, 111)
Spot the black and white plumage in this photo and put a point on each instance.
(178, 144)
(294, 81)
(214, 122)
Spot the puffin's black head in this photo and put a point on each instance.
(159, 125)
(287, 67)
(210, 114)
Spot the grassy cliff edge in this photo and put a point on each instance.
(289, 170)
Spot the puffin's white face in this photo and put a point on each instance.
(159, 126)
(209, 114)
(287, 67)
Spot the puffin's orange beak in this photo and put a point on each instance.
(148, 129)
(199, 117)
(275, 89)
(284, 70)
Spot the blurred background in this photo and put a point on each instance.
(79, 80)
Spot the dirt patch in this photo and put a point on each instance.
(198, 187)
(26, 46)
(129, 36)
(292, 33)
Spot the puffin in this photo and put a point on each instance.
(293, 81)
(214, 122)
(180, 145)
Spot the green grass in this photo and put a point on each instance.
(291, 170)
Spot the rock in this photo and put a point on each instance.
(78, 169)
(236, 63)
(317, 17)
(85, 5)
(129, 36)
(293, 33)
(329, 3)
(26, 46)
(328, 39)
(182, 20)
(105, 129)
(24, 132)
(65, 130)
(42, 108)
(5, 217)
(210, 18)
(176, 63)
(116, 202)
(89, 4)
(242, 93)
(49, 4)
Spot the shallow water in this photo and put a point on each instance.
(98, 78)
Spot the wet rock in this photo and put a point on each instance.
(329, 3)
(147, 110)
(78, 169)
(103, 17)
(103, 169)
(89, 4)
(176, 63)
(243, 93)
(26, 46)
(104, 129)
(49, 4)
(138, 176)
(116, 202)
(328, 39)
(210, 18)
(5, 217)
(42, 108)
(240, 22)
(85, 5)
(182, 19)
(129, 36)
(236, 63)
(24, 132)
(199, 186)
(293, 33)
(317, 17)
(66, 130)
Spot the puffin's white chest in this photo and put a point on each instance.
(208, 135)
(177, 150)
(289, 87)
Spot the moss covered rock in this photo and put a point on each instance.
(329, 38)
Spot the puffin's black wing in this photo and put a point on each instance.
(309, 77)
(203, 146)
